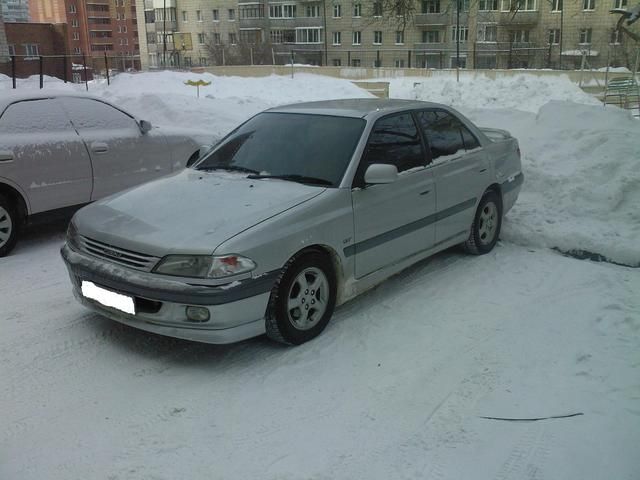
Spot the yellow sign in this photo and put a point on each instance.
(197, 84)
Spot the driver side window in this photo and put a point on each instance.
(394, 140)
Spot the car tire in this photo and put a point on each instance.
(8, 226)
(303, 299)
(486, 226)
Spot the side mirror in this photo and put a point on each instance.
(204, 149)
(380, 173)
(145, 126)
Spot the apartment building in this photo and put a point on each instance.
(14, 10)
(483, 34)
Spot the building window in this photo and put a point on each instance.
(556, 5)
(185, 16)
(464, 34)
(199, 15)
(151, 37)
(519, 36)
(233, 39)
(357, 9)
(216, 39)
(73, 9)
(588, 4)
(76, 36)
(615, 38)
(308, 35)
(201, 38)
(431, 6)
(519, 5)
(357, 38)
(252, 11)
(232, 14)
(355, 62)
(31, 50)
(283, 36)
(487, 32)
(74, 23)
(77, 50)
(313, 11)
(377, 9)
(464, 4)
(399, 37)
(124, 41)
(216, 15)
(554, 36)
(12, 50)
(377, 37)
(620, 4)
(487, 5)
(204, 61)
(585, 36)
(187, 61)
(282, 11)
(398, 63)
(431, 36)
(337, 11)
(337, 38)
(337, 62)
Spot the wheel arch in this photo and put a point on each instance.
(332, 255)
(14, 196)
(495, 187)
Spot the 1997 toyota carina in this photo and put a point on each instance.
(297, 210)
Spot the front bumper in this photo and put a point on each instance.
(236, 310)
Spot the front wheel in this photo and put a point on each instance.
(8, 226)
(486, 226)
(302, 302)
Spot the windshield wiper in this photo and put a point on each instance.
(230, 168)
(295, 178)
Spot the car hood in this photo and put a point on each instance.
(188, 212)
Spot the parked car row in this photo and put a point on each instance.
(297, 210)
(58, 152)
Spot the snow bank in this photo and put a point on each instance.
(521, 92)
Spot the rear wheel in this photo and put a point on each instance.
(8, 226)
(302, 302)
(486, 226)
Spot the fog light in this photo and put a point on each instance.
(198, 314)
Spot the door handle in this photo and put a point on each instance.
(99, 147)
(6, 156)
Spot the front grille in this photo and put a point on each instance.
(138, 261)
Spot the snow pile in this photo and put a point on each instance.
(521, 92)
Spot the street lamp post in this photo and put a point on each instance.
(458, 40)
(164, 33)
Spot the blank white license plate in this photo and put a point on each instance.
(108, 298)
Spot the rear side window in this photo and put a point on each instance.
(395, 141)
(87, 114)
(34, 116)
(445, 134)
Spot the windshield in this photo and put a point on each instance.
(314, 149)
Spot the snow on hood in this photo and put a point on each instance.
(190, 212)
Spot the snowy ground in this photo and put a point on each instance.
(397, 385)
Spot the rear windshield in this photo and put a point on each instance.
(318, 146)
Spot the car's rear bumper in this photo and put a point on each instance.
(236, 310)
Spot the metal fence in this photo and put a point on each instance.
(68, 68)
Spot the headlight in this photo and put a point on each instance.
(204, 266)
(72, 235)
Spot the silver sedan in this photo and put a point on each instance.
(294, 212)
(61, 151)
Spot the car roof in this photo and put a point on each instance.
(355, 107)
(14, 96)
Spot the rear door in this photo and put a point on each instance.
(460, 168)
(42, 153)
(121, 155)
(393, 221)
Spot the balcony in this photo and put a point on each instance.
(253, 23)
(288, 23)
(171, 25)
(520, 18)
(423, 19)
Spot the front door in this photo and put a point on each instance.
(393, 221)
(122, 156)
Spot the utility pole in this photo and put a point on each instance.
(458, 40)
(561, 32)
(164, 34)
